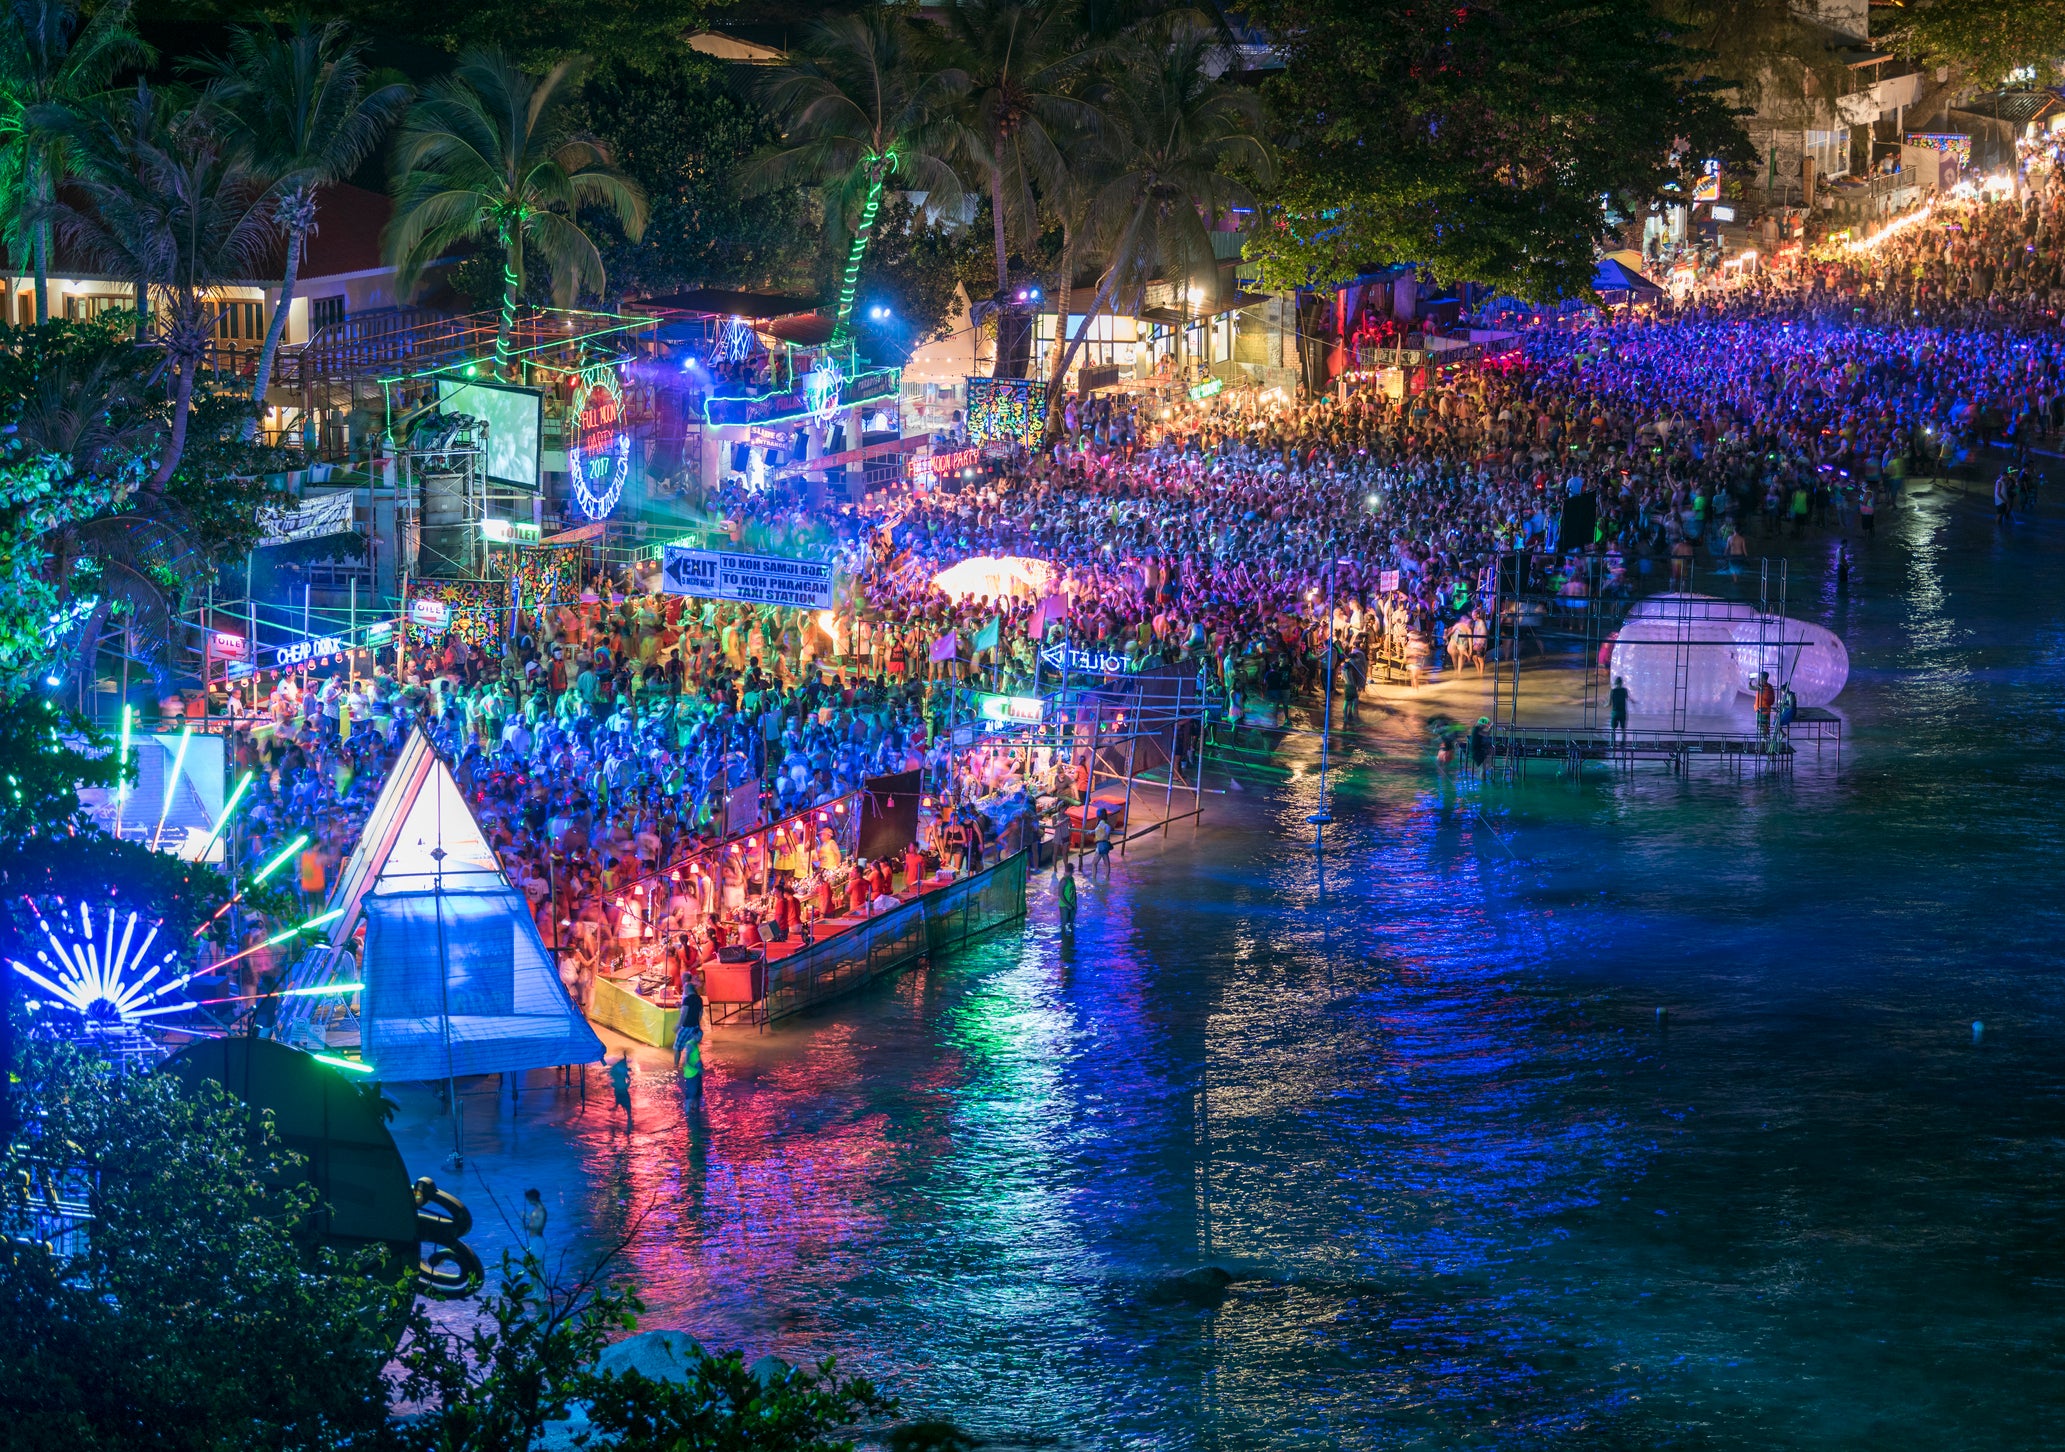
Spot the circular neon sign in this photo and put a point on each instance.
(598, 456)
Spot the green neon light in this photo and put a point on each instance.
(285, 852)
(186, 739)
(122, 759)
(324, 988)
(229, 810)
(879, 173)
(511, 284)
(304, 927)
(336, 1063)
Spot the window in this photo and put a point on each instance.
(241, 322)
(84, 307)
(1830, 150)
(323, 311)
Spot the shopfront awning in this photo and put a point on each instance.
(1170, 317)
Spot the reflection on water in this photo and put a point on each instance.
(1417, 1097)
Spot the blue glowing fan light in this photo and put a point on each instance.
(102, 977)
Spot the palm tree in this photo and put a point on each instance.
(1181, 144)
(1067, 203)
(490, 155)
(51, 68)
(859, 108)
(304, 107)
(1022, 58)
(163, 196)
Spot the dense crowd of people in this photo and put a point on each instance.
(611, 740)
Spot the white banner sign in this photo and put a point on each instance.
(330, 514)
(752, 579)
(1387, 580)
(430, 614)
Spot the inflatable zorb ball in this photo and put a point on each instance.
(1809, 657)
(1648, 654)
(1676, 626)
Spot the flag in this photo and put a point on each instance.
(1050, 609)
(947, 647)
(986, 638)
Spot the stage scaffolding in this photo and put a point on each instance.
(1544, 605)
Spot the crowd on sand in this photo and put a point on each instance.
(610, 739)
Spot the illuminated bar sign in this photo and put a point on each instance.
(944, 463)
(1012, 710)
(227, 645)
(598, 457)
(315, 650)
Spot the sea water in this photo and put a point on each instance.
(1413, 1094)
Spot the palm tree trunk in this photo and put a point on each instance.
(182, 409)
(1064, 294)
(1011, 320)
(512, 286)
(276, 329)
(1105, 292)
(851, 278)
(40, 247)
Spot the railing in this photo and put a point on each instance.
(938, 922)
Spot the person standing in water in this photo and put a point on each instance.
(534, 1226)
(620, 1084)
(1066, 894)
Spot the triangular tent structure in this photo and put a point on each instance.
(1618, 278)
(457, 980)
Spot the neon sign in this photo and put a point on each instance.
(821, 389)
(1076, 658)
(944, 464)
(598, 456)
(1012, 710)
(312, 651)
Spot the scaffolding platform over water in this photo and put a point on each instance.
(1515, 745)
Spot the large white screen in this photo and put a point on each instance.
(515, 417)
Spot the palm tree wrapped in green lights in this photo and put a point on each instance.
(858, 109)
(490, 154)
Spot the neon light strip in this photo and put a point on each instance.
(285, 852)
(336, 1063)
(848, 283)
(186, 738)
(229, 810)
(122, 757)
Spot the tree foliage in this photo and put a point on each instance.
(1483, 140)
(679, 129)
(193, 1317)
(1990, 41)
(916, 267)
(493, 155)
(529, 1360)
